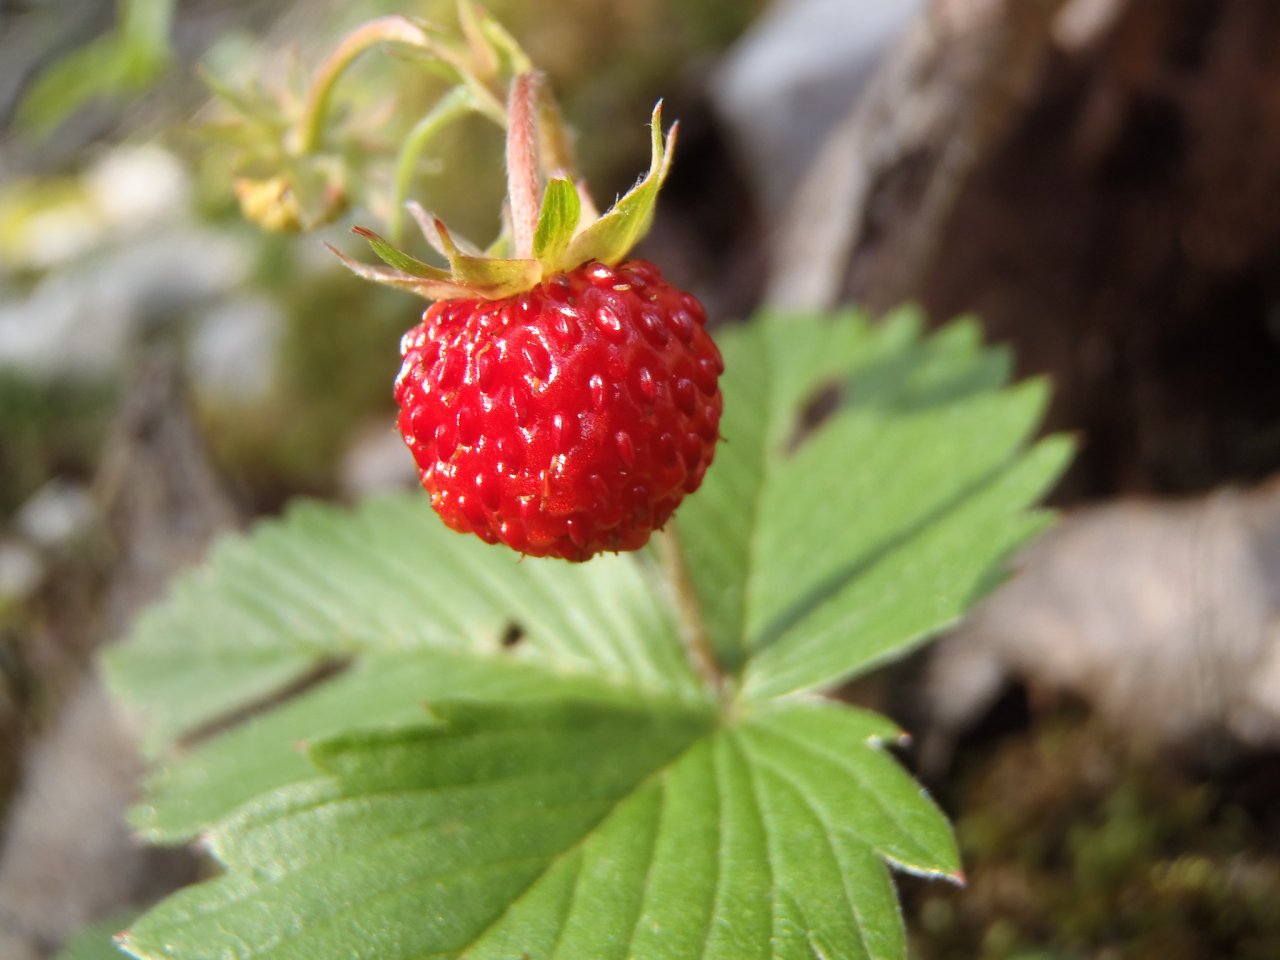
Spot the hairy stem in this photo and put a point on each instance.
(693, 629)
(522, 160)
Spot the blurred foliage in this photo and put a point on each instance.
(1075, 847)
(28, 207)
(604, 59)
(122, 63)
(608, 62)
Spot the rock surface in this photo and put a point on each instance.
(1164, 616)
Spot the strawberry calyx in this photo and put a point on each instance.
(553, 224)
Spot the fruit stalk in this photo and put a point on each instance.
(453, 105)
(693, 628)
(522, 161)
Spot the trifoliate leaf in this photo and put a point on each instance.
(515, 758)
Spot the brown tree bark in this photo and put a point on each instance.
(1100, 181)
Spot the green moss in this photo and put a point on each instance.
(337, 364)
(1077, 847)
(47, 429)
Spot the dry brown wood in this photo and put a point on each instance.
(886, 182)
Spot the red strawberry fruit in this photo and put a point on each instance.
(562, 401)
(566, 420)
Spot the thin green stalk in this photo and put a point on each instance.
(693, 629)
(453, 105)
(392, 29)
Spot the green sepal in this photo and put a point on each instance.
(428, 287)
(398, 259)
(480, 273)
(557, 221)
(469, 274)
(611, 237)
(568, 233)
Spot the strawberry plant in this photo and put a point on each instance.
(398, 742)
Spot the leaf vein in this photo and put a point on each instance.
(586, 836)
(826, 829)
(854, 773)
(647, 877)
(568, 912)
(717, 888)
(765, 832)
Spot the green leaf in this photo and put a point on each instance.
(265, 752)
(826, 754)
(96, 941)
(485, 834)
(116, 65)
(514, 758)
(323, 586)
(557, 221)
(876, 530)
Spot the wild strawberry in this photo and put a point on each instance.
(565, 400)
(566, 420)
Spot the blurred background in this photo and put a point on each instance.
(1098, 180)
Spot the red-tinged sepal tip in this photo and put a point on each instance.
(467, 276)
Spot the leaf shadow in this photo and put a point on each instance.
(827, 589)
(892, 385)
(889, 384)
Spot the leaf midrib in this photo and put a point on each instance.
(550, 864)
(587, 834)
